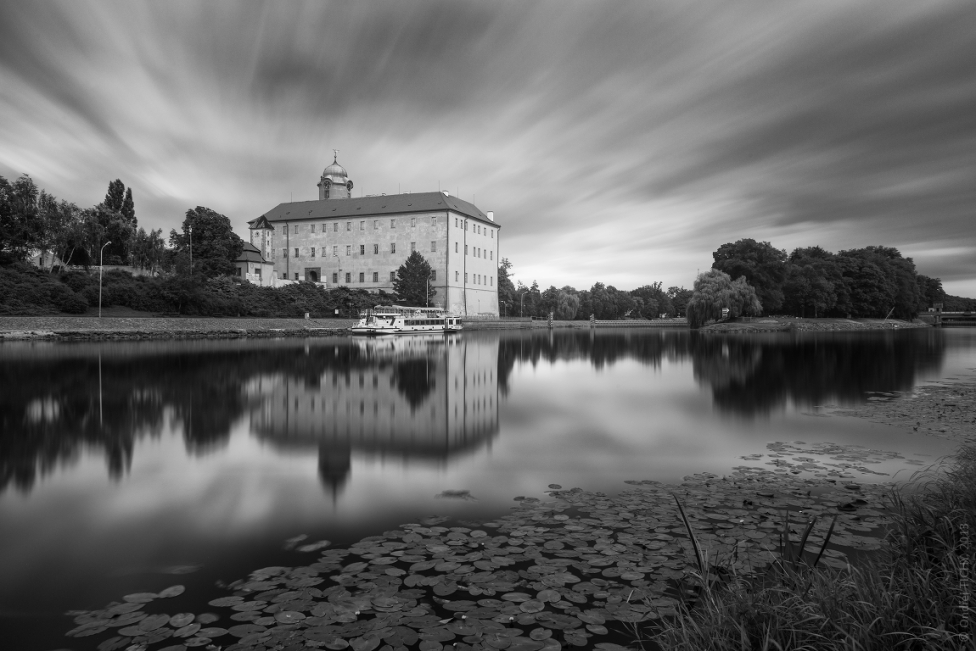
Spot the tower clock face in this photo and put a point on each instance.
(327, 183)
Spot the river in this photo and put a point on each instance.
(126, 467)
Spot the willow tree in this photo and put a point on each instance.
(715, 291)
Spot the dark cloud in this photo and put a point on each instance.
(631, 137)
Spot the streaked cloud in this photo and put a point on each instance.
(620, 142)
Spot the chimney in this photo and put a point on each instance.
(491, 215)
(445, 193)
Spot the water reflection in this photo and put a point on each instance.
(752, 375)
(422, 398)
(419, 399)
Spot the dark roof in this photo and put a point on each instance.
(368, 206)
(250, 254)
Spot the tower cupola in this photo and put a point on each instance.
(335, 183)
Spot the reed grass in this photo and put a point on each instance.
(912, 595)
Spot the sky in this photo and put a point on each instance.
(616, 142)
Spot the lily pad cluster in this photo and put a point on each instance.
(578, 569)
(825, 460)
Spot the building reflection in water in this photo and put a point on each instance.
(422, 398)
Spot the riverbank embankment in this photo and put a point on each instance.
(750, 325)
(129, 328)
(67, 328)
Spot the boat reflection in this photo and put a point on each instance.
(424, 398)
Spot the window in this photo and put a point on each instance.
(392, 223)
(335, 279)
(335, 227)
(392, 276)
(457, 275)
(413, 221)
(376, 276)
(433, 275)
(296, 275)
(348, 277)
(284, 253)
(491, 280)
(376, 248)
(348, 226)
(491, 255)
(362, 277)
(296, 229)
(433, 247)
(465, 249)
(465, 276)
(335, 251)
(433, 219)
(348, 249)
(362, 225)
(296, 251)
(313, 251)
(492, 234)
(362, 249)
(238, 271)
(312, 227)
(455, 247)
(413, 247)
(455, 221)
(392, 247)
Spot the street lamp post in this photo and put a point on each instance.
(101, 255)
(191, 249)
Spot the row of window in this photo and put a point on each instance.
(477, 228)
(362, 250)
(479, 279)
(477, 250)
(374, 274)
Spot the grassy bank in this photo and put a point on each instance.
(913, 594)
(796, 324)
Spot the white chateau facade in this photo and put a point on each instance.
(360, 243)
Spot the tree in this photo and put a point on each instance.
(763, 266)
(128, 209)
(411, 283)
(931, 292)
(654, 301)
(215, 245)
(807, 288)
(714, 290)
(115, 197)
(506, 290)
(679, 300)
(20, 229)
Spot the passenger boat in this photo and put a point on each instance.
(395, 320)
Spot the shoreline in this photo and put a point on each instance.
(138, 327)
(790, 324)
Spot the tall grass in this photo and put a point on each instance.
(912, 595)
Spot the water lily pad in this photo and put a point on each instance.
(180, 620)
(212, 632)
(197, 641)
(172, 591)
(531, 606)
(207, 618)
(140, 597)
(289, 617)
(188, 631)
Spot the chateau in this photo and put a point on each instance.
(360, 243)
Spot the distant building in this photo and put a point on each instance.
(253, 267)
(360, 243)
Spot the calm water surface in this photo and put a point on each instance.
(131, 467)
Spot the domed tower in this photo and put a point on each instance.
(335, 183)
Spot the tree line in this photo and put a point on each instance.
(869, 282)
(602, 301)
